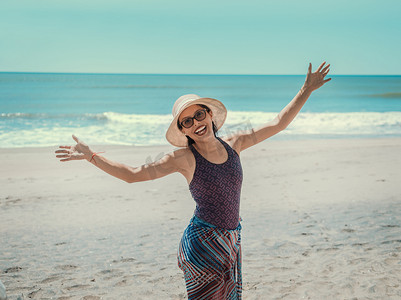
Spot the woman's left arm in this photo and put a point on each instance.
(313, 81)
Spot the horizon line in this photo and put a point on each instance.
(186, 74)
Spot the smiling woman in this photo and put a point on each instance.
(210, 249)
(199, 116)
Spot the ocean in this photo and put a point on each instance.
(41, 109)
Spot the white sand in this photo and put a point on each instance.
(321, 220)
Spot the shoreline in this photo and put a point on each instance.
(320, 220)
(278, 138)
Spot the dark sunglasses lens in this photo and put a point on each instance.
(187, 122)
(200, 115)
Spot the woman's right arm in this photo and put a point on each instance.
(164, 166)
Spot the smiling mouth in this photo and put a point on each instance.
(201, 130)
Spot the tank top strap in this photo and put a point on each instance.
(195, 152)
(227, 146)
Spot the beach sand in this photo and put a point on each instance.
(321, 220)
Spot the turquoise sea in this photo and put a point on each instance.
(40, 109)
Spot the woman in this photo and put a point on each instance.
(210, 249)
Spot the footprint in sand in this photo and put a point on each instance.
(124, 260)
(13, 270)
(390, 226)
(66, 267)
(34, 293)
(77, 287)
(13, 201)
(359, 244)
(59, 244)
(390, 242)
(123, 282)
(90, 297)
(50, 279)
(129, 259)
(110, 274)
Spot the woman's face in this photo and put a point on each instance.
(196, 131)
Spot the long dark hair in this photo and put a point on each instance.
(191, 141)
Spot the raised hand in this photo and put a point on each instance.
(316, 80)
(77, 152)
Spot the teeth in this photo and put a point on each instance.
(200, 129)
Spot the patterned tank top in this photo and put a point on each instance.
(216, 189)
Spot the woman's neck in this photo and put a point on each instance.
(209, 146)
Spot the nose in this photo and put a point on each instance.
(196, 123)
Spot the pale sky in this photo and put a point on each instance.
(200, 37)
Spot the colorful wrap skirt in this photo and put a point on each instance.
(210, 258)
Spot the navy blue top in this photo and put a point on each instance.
(216, 189)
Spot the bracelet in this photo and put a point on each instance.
(93, 155)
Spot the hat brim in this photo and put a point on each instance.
(177, 138)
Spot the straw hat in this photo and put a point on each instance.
(174, 134)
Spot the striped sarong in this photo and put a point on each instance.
(210, 258)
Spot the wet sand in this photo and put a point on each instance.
(321, 220)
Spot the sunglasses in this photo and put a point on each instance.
(189, 121)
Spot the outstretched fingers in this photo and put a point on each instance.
(66, 159)
(67, 153)
(326, 69)
(76, 139)
(320, 67)
(64, 153)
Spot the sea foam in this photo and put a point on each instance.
(147, 129)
